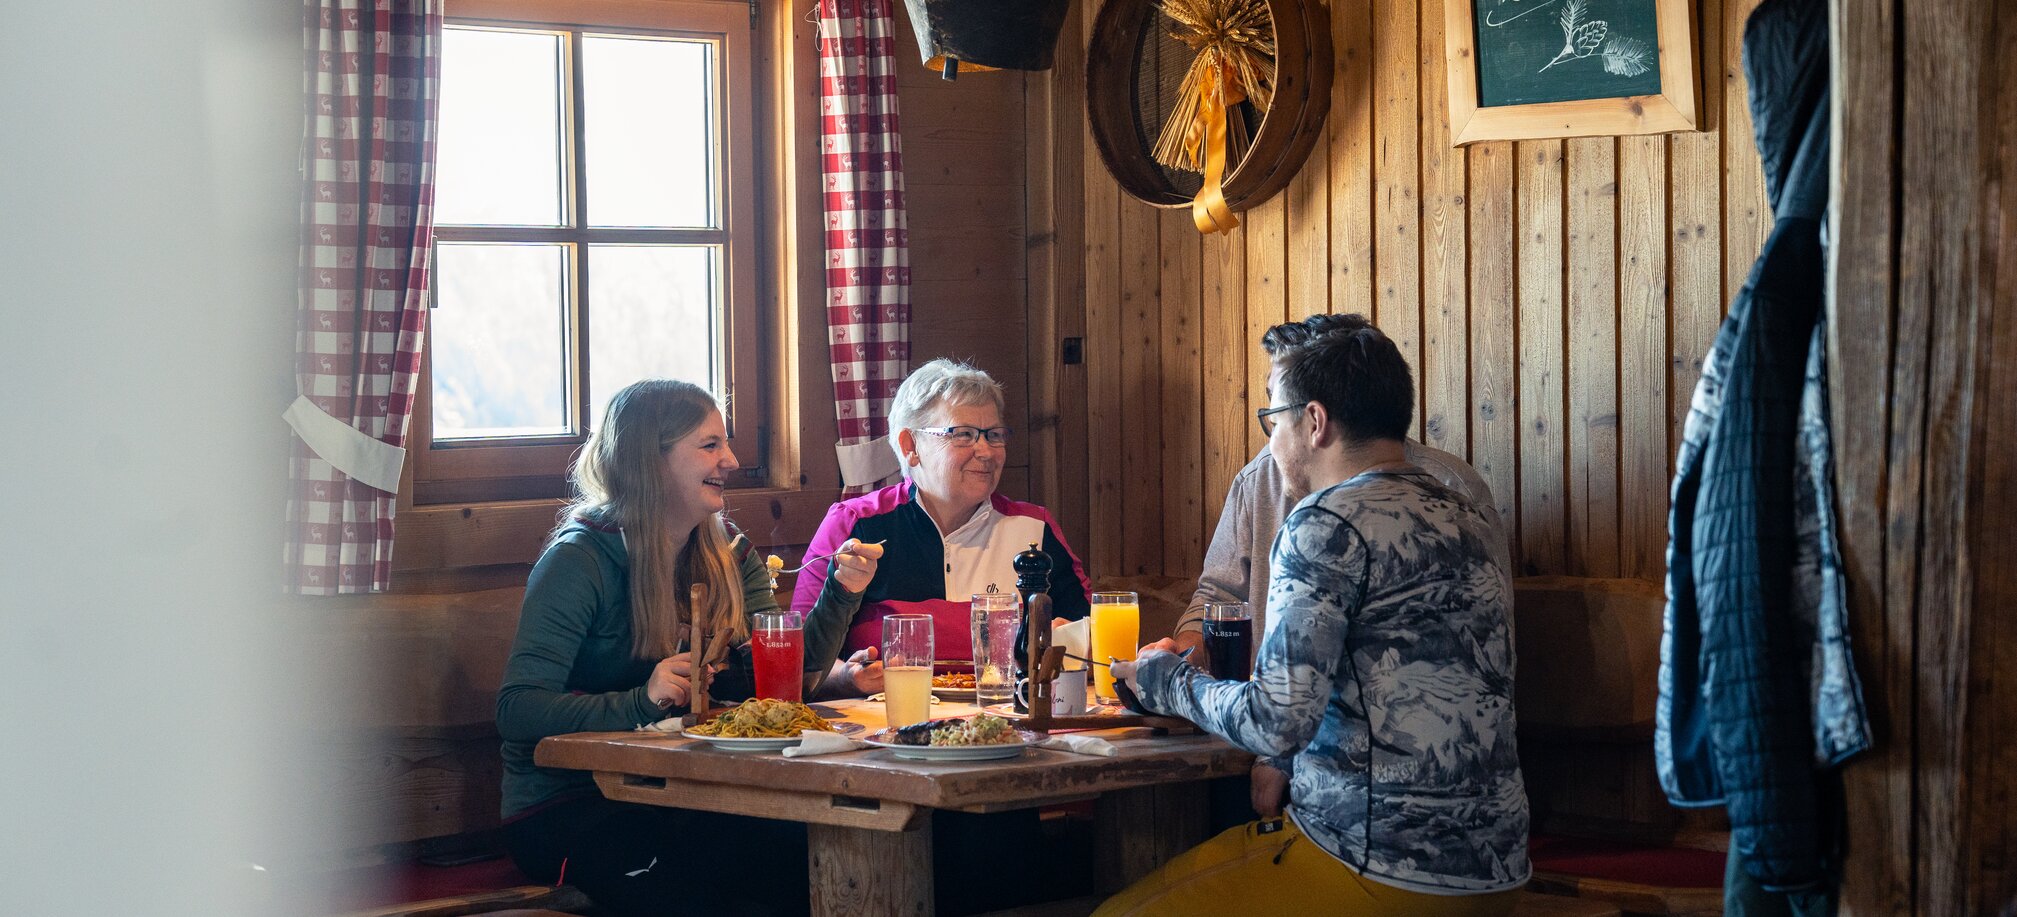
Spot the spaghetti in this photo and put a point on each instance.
(763, 718)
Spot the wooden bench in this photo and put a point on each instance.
(414, 889)
(1532, 904)
(1639, 878)
(519, 901)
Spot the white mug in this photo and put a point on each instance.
(1068, 693)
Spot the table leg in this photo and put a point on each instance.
(1137, 830)
(865, 871)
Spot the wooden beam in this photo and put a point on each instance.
(1543, 514)
(862, 871)
(1591, 436)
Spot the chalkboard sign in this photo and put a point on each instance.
(1564, 50)
(1529, 69)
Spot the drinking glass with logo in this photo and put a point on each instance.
(995, 618)
(906, 668)
(777, 648)
(1117, 632)
(1229, 640)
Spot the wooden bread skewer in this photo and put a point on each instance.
(1046, 661)
(699, 644)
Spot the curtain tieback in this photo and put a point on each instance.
(363, 459)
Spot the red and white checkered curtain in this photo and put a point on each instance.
(867, 242)
(373, 79)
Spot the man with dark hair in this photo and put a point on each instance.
(1384, 689)
(1236, 561)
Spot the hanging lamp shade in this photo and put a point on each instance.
(964, 36)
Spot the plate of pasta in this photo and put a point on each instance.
(975, 738)
(953, 685)
(763, 724)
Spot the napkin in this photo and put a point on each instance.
(822, 743)
(670, 726)
(1076, 638)
(1084, 745)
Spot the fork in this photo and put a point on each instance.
(845, 547)
(1186, 654)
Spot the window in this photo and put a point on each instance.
(595, 225)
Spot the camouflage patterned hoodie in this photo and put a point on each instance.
(1386, 689)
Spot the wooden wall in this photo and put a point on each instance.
(1555, 299)
(1924, 341)
(963, 161)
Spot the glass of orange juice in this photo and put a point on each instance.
(906, 668)
(1117, 632)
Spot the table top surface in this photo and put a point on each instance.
(1039, 775)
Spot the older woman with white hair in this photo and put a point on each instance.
(945, 533)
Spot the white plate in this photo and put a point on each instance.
(953, 752)
(736, 743)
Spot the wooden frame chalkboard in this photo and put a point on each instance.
(1532, 69)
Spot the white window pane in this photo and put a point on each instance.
(499, 341)
(649, 122)
(498, 162)
(652, 315)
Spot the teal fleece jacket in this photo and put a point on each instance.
(571, 668)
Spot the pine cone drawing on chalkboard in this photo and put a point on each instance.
(1626, 56)
(1579, 39)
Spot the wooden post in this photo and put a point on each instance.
(866, 871)
(1041, 690)
(1139, 829)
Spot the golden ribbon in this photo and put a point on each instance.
(1235, 63)
(1216, 99)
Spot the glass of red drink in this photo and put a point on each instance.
(1229, 640)
(777, 643)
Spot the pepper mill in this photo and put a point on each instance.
(1033, 582)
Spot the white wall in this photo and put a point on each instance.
(147, 249)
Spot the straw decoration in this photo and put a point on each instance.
(1235, 44)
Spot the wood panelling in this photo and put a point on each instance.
(1642, 356)
(1267, 300)
(1554, 297)
(966, 141)
(1592, 378)
(1139, 436)
(1183, 402)
(1923, 338)
(1495, 391)
(1444, 372)
(1539, 546)
(1349, 130)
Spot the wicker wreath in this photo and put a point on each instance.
(1173, 86)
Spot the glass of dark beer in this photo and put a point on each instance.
(1229, 640)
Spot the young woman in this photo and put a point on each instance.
(600, 647)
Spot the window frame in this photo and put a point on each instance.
(521, 468)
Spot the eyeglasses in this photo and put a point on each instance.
(964, 436)
(1266, 415)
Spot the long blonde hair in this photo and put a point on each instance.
(619, 478)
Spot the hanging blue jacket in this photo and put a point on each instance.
(1757, 692)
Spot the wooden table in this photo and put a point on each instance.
(867, 809)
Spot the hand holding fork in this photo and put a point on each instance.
(853, 565)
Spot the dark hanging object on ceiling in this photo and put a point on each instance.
(965, 36)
